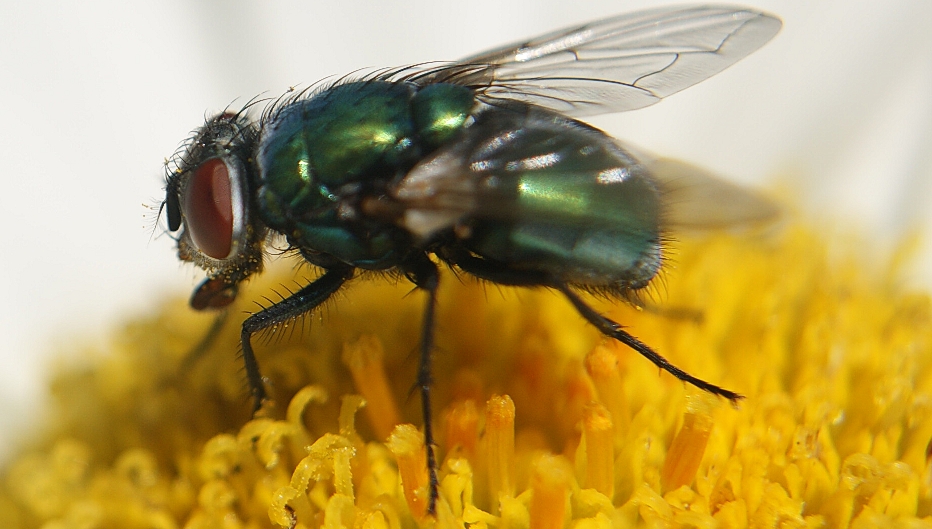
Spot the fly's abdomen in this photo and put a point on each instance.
(319, 157)
(578, 231)
(560, 197)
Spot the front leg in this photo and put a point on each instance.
(301, 302)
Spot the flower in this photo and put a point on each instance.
(542, 422)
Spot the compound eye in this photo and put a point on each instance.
(209, 208)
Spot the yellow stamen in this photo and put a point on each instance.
(500, 447)
(364, 357)
(407, 444)
(462, 430)
(600, 450)
(686, 450)
(602, 366)
(550, 481)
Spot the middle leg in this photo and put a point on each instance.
(423, 273)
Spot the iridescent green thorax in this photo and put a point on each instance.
(350, 140)
(440, 111)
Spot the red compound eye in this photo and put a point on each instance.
(208, 208)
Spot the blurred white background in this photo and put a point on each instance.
(97, 93)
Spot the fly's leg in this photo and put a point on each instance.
(502, 274)
(295, 305)
(423, 273)
(614, 330)
(197, 352)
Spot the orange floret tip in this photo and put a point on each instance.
(461, 423)
(598, 433)
(550, 489)
(602, 366)
(500, 447)
(688, 446)
(364, 357)
(407, 444)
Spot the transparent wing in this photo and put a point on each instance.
(521, 167)
(621, 63)
(443, 191)
(694, 198)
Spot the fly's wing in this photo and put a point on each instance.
(621, 63)
(526, 164)
(694, 198)
(521, 166)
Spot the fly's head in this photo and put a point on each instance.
(209, 207)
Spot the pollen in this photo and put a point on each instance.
(538, 420)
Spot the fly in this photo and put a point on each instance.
(479, 164)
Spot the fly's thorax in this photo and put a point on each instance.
(319, 158)
(311, 149)
(440, 112)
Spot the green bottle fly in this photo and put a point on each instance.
(479, 164)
